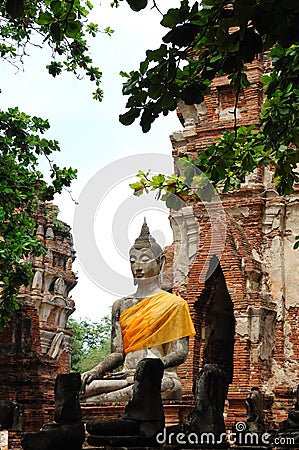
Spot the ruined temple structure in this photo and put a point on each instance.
(258, 262)
(248, 238)
(250, 233)
(36, 346)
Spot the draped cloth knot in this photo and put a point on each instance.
(156, 320)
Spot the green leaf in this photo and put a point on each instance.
(73, 29)
(15, 8)
(171, 18)
(137, 99)
(109, 31)
(215, 58)
(129, 117)
(45, 18)
(137, 5)
(136, 186)
(56, 7)
(158, 180)
(55, 68)
(2, 214)
(155, 89)
(56, 31)
(168, 101)
(192, 95)
(146, 120)
(143, 67)
(124, 74)
(156, 55)
(182, 35)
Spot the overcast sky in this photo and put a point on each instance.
(92, 140)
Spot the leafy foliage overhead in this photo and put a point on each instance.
(62, 24)
(225, 36)
(219, 37)
(22, 188)
(214, 38)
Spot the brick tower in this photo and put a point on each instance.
(36, 346)
(260, 267)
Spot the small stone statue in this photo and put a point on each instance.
(11, 415)
(67, 406)
(210, 391)
(68, 431)
(59, 286)
(144, 415)
(37, 282)
(206, 420)
(292, 421)
(289, 429)
(255, 414)
(146, 404)
(151, 323)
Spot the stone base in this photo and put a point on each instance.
(253, 447)
(123, 448)
(55, 436)
(174, 411)
(122, 441)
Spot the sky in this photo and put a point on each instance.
(107, 154)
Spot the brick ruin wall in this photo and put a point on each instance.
(260, 267)
(258, 263)
(36, 346)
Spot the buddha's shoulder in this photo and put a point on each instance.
(123, 303)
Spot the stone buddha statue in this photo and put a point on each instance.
(151, 323)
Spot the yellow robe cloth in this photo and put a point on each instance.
(154, 321)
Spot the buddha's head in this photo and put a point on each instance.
(147, 258)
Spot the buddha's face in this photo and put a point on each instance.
(144, 264)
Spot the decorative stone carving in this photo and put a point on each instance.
(11, 415)
(49, 256)
(192, 115)
(59, 286)
(68, 431)
(259, 325)
(229, 114)
(40, 231)
(56, 345)
(52, 283)
(37, 282)
(186, 240)
(254, 408)
(50, 233)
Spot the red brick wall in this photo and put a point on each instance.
(27, 371)
(258, 359)
(25, 376)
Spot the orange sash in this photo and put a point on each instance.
(154, 321)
